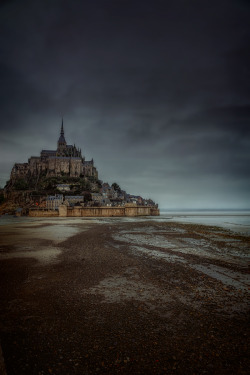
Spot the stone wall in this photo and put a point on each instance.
(54, 166)
(37, 165)
(69, 166)
(95, 211)
(36, 212)
(137, 210)
(154, 211)
(75, 167)
(104, 211)
(19, 170)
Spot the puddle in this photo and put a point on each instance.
(56, 233)
(186, 245)
(227, 277)
(47, 255)
(199, 247)
(196, 242)
(222, 239)
(145, 239)
(158, 254)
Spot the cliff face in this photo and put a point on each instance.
(14, 200)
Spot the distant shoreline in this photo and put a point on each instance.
(238, 223)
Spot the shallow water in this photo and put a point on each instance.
(35, 238)
(236, 221)
(16, 233)
(227, 277)
(42, 255)
(157, 245)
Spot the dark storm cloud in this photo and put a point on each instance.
(153, 90)
(19, 97)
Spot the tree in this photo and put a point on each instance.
(87, 197)
(116, 187)
(1, 198)
(21, 184)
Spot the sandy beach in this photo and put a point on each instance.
(117, 296)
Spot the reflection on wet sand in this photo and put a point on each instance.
(37, 240)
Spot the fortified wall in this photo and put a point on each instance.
(78, 211)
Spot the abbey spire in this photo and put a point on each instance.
(61, 144)
(62, 130)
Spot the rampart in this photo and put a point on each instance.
(104, 211)
(43, 212)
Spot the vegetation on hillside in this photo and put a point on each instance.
(116, 187)
(1, 198)
(21, 184)
(48, 185)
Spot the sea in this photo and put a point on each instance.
(237, 221)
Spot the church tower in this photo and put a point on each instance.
(61, 144)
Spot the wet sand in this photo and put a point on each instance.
(123, 297)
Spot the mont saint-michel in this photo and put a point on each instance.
(62, 182)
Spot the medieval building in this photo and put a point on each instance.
(66, 160)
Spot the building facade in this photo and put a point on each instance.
(54, 201)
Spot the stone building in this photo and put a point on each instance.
(65, 160)
(71, 200)
(54, 201)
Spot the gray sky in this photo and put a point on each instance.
(157, 92)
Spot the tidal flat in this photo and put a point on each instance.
(123, 296)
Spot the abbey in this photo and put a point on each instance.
(62, 183)
(65, 160)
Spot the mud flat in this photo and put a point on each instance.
(117, 296)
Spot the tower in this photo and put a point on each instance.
(61, 144)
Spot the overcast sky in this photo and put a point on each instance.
(157, 92)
